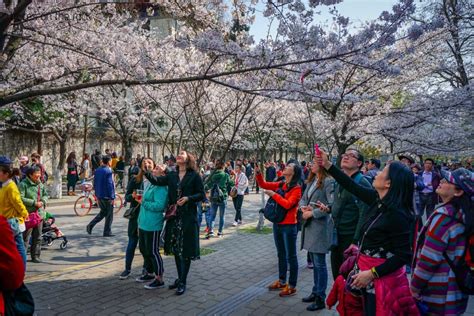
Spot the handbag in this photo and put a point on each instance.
(355, 269)
(171, 211)
(130, 213)
(34, 218)
(233, 192)
(19, 302)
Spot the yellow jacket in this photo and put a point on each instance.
(11, 205)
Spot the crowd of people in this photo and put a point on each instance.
(397, 236)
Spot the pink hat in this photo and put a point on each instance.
(23, 158)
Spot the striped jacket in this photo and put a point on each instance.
(432, 278)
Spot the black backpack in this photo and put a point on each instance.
(216, 196)
(274, 212)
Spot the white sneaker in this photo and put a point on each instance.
(234, 224)
(240, 223)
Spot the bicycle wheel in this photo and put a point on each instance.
(83, 205)
(118, 203)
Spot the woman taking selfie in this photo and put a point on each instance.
(285, 232)
(385, 247)
(185, 189)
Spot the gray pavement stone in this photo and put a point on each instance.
(83, 279)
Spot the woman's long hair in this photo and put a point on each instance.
(191, 162)
(85, 157)
(321, 176)
(296, 179)
(400, 193)
(139, 177)
(71, 157)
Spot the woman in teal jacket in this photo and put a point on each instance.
(150, 224)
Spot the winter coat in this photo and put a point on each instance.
(29, 195)
(349, 212)
(392, 291)
(186, 223)
(290, 201)
(104, 184)
(349, 305)
(12, 270)
(432, 277)
(317, 231)
(241, 182)
(132, 186)
(11, 205)
(153, 205)
(220, 178)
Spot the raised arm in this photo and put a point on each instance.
(159, 181)
(366, 194)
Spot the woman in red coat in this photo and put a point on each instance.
(285, 232)
(12, 270)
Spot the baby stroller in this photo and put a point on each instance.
(51, 232)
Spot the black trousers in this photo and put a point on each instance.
(107, 212)
(337, 254)
(237, 201)
(35, 234)
(150, 248)
(182, 266)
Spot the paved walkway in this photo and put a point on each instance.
(83, 279)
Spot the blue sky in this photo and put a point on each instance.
(357, 10)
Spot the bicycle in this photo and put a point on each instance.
(85, 202)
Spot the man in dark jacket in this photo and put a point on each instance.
(105, 193)
(428, 196)
(348, 212)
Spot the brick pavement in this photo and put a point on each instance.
(83, 279)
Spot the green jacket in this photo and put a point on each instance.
(29, 195)
(349, 212)
(151, 215)
(222, 179)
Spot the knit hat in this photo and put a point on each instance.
(462, 178)
(5, 161)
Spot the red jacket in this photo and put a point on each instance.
(290, 201)
(12, 270)
(349, 304)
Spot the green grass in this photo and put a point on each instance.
(253, 230)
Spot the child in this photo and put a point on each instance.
(49, 223)
(348, 303)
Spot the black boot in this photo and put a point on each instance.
(310, 298)
(317, 305)
(181, 288)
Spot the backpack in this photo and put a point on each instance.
(273, 211)
(464, 269)
(216, 196)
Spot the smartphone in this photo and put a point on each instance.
(317, 152)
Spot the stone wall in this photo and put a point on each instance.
(15, 144)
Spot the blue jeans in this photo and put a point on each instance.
(206, 215)
(320, 273)
(20, 245)
(212, 216)
(132, 242)
(285, 242)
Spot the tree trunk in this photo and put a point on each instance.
(148, 145)
(40, 144)
(127, 149)
(57, 188)
(84, 139)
